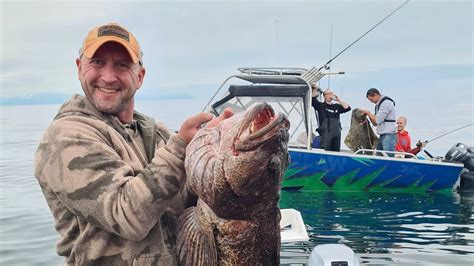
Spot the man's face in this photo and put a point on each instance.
(110, 79)
(328, 94)
(401, 124)
(373, 98)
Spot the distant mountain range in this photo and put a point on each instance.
(59, 98)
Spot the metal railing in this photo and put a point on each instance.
(397, 154)
(272, 71)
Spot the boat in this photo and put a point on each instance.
(292, 226)
(288, 90)
(333, 255)
(293, 230)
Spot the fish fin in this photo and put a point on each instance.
(196, 244)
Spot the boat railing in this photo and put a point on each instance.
(279, 71)
(397, 154)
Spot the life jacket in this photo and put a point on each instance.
(378, 106)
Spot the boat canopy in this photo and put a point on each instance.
(257, 90)
(286, 91)
(290, 79)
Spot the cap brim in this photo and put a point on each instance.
(90, 51)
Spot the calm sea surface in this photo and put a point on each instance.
(382, 229)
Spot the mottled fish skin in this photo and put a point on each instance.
(237, 178)
(361, 135)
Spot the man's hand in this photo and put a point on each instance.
(226, 114)
(191, 125)
(315, 90)
(421, 144)
(370, 116)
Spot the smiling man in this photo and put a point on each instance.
(113, 177)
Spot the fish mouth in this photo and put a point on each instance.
(362, 121)
(261, 124)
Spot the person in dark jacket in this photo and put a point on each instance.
(328, 113)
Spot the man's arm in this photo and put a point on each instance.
(419, 146)
(343, 103)
(82, 167)
(94, 173)
(315, 90)
(317, 105)
(370, 116)
(408, 142)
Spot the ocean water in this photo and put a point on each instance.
(382, 229)
(387, 228)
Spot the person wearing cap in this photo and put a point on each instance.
(329, 111)
(384, 119)
(113, 177)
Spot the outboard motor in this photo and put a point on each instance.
(463, 154)
(332, 255)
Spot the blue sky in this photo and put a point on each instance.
(421, 56)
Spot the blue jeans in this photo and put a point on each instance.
(387, 142)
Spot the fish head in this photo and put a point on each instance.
(359, 116)
(255, 148)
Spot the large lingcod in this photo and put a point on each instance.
(235, 169)
(360, 135)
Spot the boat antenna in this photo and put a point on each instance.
(452, 131)
(375, 26)
(276, 29)
(277, 41)
(330, 54)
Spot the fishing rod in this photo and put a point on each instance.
(452, 131)
(362, 36)
(442, 135)
(313, 75)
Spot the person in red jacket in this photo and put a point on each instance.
(404, 140)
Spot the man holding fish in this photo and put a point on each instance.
(113, 177)
(384, 118)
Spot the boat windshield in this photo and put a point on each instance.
(293, 107)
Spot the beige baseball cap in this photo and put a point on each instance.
(111, 32)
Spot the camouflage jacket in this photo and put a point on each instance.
(113, 204)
